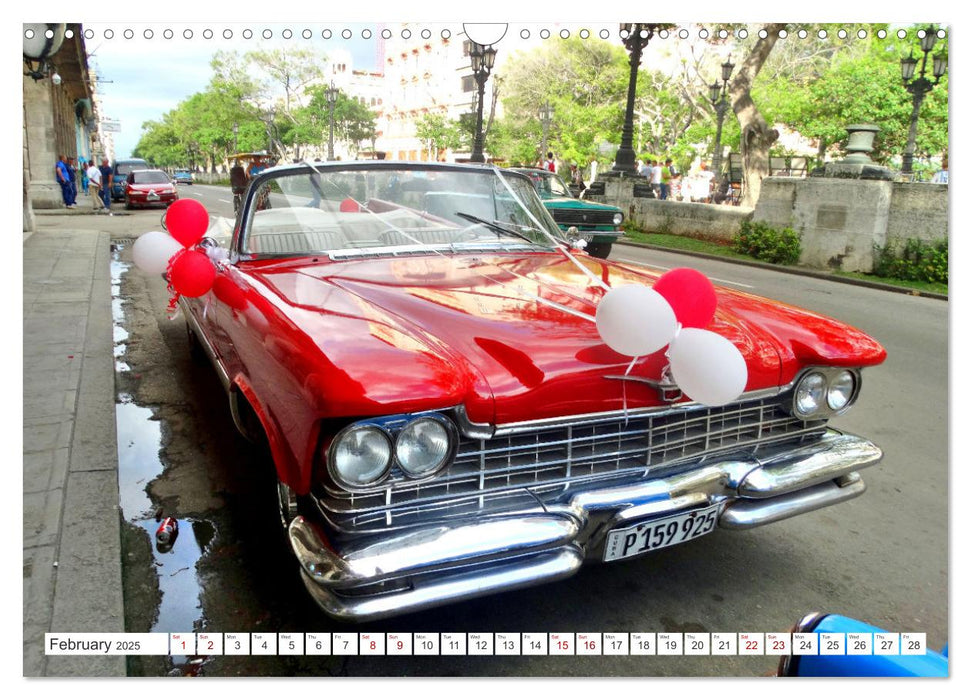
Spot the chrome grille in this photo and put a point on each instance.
(583, 217)
(527, 464)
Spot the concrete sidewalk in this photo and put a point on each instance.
(71, 516)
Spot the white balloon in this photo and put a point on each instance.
(707, 367)
(635, 320)
(153, 250)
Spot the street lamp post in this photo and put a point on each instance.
(635, 38)
(332, 94)
(270, 116)
(235, 137)
(545, 117)
(717, 94)
(918, 87)
(483, 59)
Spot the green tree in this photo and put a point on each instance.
(440, 132)
(861, 85)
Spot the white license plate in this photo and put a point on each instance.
(657, 534)
(152, 196)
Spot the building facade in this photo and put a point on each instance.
(59, 119)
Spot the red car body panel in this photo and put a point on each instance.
(315, 340)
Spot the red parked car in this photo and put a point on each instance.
(149, 187)
(445, 420)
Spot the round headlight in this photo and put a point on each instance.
(810, 394)
(618, 218)
(360, 456)
(840, 390)
(423, 447)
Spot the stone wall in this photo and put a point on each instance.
(918, 210)
(841, 220)
(691, 219)
(716, 222)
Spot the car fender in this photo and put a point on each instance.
(287, 467)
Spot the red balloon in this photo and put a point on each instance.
(690, 294)
(187, 221)
(192, 274)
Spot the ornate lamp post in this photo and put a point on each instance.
(717, 94)
(331, 95)
(483, 59)
(270, 116)
(918, 87)
(545, 117)
(635, 38)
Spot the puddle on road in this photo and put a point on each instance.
(139, 463)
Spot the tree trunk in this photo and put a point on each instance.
(757, 136)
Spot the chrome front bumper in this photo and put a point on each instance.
(423, 567)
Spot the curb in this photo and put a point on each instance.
(803, 272)
(78, 212)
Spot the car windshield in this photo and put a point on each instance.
(549, 184)
(392, 209)
(149, 177)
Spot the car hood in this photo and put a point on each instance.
(511, 337)
(570, 203)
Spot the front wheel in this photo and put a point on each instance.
(599, 250)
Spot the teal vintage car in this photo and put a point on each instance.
(597, 224)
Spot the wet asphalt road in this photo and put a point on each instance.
(881, 558)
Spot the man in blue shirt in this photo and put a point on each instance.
(64, 180)
(107, 175)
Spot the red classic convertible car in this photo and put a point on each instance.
(417, 349)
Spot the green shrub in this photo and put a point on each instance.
(912, 260)
(765, 243)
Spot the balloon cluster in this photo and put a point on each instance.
(190, 272)
(635, 320)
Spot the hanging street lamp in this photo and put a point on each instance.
(483, 59)
(635, 37)
(919, 87)
(719, 100)
(545, 118)
(331, 95)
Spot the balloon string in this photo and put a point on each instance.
(172, 310)
(624, 387)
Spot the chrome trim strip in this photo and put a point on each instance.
(206, 345)
(581, 419)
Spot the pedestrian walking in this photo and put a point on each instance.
(63, 176)
(94, 188)
(107, 180)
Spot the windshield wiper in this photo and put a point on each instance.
(495, 226)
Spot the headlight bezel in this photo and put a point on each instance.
(391, 427)
(451, 434)
(335, 474)
(618, 222)
(830, 376)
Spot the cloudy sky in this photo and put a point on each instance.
(143, 78)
